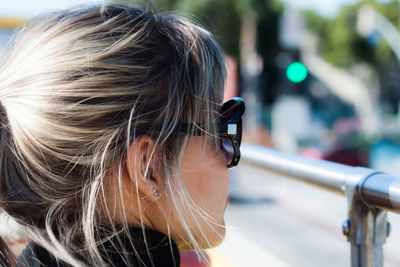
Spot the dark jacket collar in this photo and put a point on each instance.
(162, 251)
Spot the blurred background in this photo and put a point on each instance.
(321, 79)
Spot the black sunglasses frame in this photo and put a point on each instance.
(229, 127)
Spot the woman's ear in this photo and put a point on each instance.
(141, 167)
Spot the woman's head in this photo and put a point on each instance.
(92, 102)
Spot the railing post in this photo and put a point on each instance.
(366, 228)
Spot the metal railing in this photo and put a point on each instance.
(370, 195)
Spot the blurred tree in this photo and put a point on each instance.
(342, 45)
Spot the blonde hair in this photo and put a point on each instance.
(77, 88)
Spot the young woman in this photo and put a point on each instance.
(115, 147)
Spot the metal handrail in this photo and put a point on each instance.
(370, 195)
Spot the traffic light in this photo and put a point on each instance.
(293, 75)
(296, 72)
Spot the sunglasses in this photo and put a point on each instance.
(229, 129)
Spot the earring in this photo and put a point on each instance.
(155, 192)
(143, 197)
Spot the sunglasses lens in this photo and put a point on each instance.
(227, 148)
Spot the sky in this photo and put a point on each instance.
(29, 8)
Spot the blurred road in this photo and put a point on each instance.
(274, 221)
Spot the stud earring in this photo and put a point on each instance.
(143, 197)
(155, 192)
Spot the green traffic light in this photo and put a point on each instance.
(296, 72)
